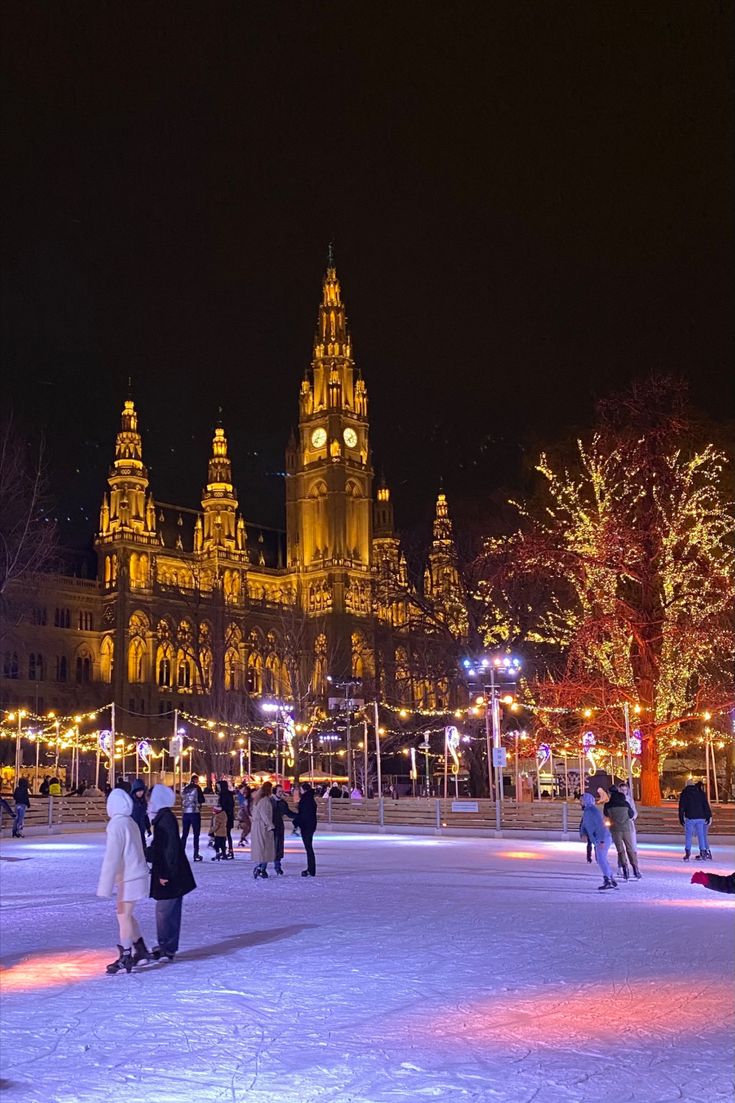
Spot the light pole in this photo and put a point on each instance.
(507, 667)
(19, 735)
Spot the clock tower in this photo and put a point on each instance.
(329, 477)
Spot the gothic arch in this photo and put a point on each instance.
(107, 659)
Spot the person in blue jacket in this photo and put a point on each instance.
(592, 827)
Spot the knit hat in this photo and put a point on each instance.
(119, 803)
(161, 797)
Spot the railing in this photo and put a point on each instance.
(545, 818)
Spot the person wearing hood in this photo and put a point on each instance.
(620, 815)
(171, 876)
(124, 872)
(22, 800)
(695, 814)
(192, 799)
(593, 827)
(140, 809)
(306, 818)
(227, 804)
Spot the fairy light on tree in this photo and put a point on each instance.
(634, 552)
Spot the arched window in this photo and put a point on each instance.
(61, 668)
(107, 659)
(10, 664)
(36, 671)
(164, 669)
(319, 679)
(254, 679)
(183, 671)
(83, 668)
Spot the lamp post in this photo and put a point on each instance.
(505, 667)
(19, 735)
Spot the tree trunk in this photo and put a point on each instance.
(650, 780)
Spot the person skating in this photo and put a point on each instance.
(22, 800)
(306, 818)
(244, 813)
(695, 814)
(192, 799)
(124, 873)
(227, 804)
(219, 827)
(718, 882)
(593, 827)
(171, 876)
(280, 809)
(707, 851)
(140, 809)
(262, 842)
(620, 815)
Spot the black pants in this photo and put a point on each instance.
(191, 820)
(168, 924)
(307, 835)
(220, 845)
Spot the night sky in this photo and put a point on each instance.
(529, 204)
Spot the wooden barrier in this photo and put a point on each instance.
(555, 818)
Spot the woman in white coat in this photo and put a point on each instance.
(262, 838)
(124, 871)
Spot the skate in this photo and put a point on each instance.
(230, 856)
(217, 858)
(279, 871)
(708, 855)
(198, 857)
(158, 954)
(701, 857)
(608, 883)
(124, 961)
(686, 855)
(636, 873)
(626, 875)
(141, 953)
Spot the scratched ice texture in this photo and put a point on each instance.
(411, 969)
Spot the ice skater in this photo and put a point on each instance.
(262, 841)
(192, 799)
(22, 801)
(718, 882)
(695, 814)
(244, 812)
(306, 819)
(227, 804)
(124, 872)
(620, 815)
(171, 876)
(219, 827)
(280, 809)
(140, 809)
(593, 828)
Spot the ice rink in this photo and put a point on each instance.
(412, 968)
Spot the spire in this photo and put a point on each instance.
(442, 527)
(129, 509)
(442, 582)
(332, 334)
(219, 499)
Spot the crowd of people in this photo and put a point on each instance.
(145, 855)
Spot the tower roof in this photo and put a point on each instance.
(332, 337)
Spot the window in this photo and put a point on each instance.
(84, 669)
(183, 674)
(164, 671)
(62, 618)
(35, 667)
(131, 704)
(38, 615)
(86, 622)
(10, 664)
(61, 668)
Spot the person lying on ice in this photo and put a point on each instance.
(716, 881)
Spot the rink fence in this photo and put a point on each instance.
(546, 819)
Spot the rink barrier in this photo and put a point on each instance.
(546, 819)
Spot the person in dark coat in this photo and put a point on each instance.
(140, 809)
(22, 800)
(226, 802)
(695, 814)
(44, 787)
(718, 882)
(171, 876)
(192, 799)
(280, 809)
(306, 818)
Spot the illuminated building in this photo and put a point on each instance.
(202, 610)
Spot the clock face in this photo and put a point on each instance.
(319, 438)
(350, 438)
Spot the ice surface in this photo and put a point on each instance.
(410, 969)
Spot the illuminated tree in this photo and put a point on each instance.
(634, 552)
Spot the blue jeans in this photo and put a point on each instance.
(601, 850)
(690, 826)
(168, 924)
(20, 815)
